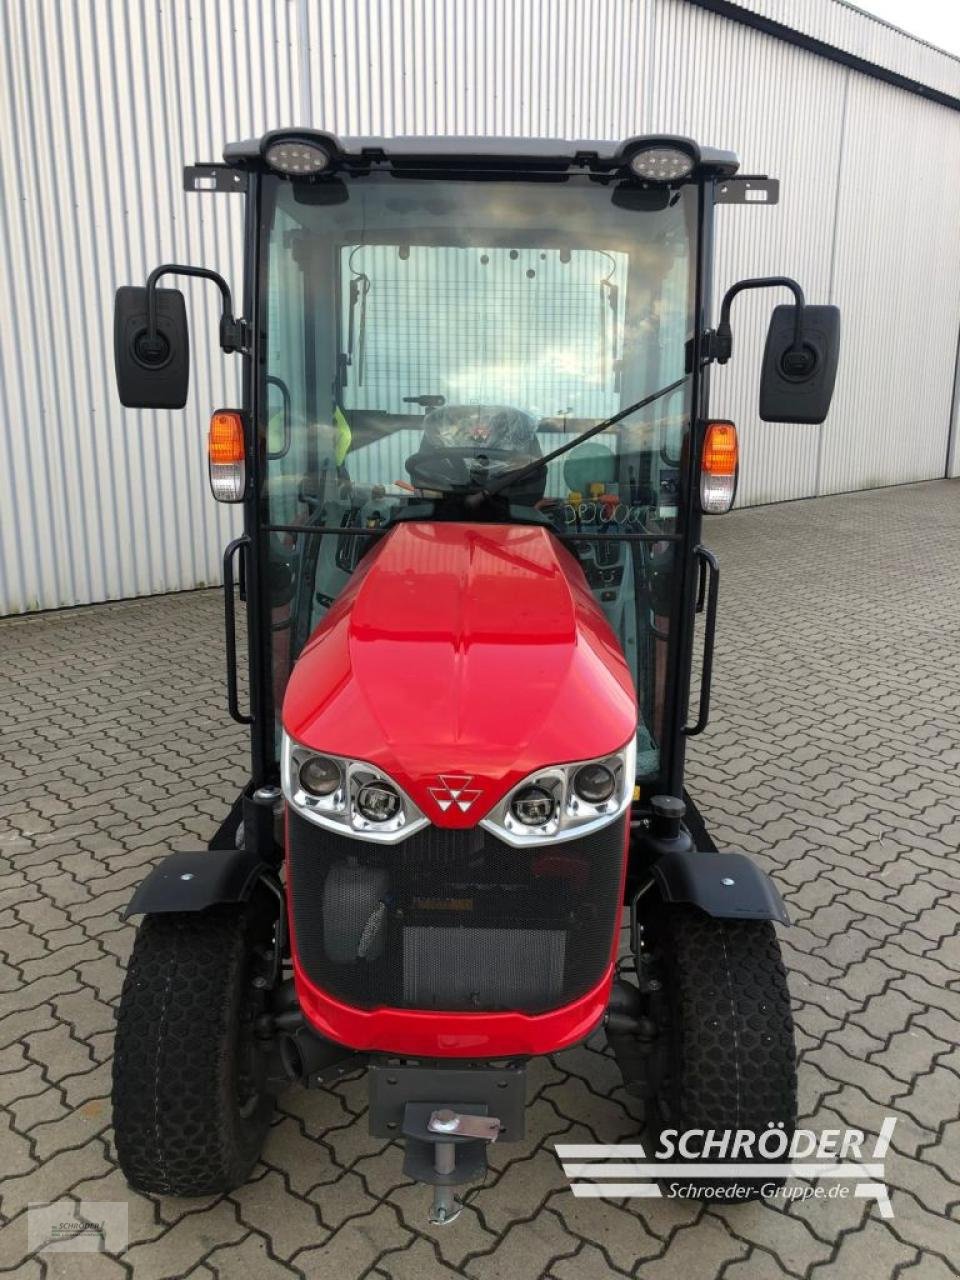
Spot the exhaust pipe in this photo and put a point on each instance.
(308, 1058)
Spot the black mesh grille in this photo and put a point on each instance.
(454, 920)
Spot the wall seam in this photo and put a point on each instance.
(832, 278)
(306, 86)
(954, 415)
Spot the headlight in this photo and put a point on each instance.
(320, 776)
(378, 801)
(533, 806)
(594, 783)
(350, 797)
(565, 801)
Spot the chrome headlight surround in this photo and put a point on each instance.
(338, 811)
(573, 817)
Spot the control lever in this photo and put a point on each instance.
(426, 402)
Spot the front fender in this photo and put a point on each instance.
(195, 881)
(726, 885)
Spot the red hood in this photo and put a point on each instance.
(473, 651)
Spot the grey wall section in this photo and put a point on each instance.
(897, 276)
(101, 103)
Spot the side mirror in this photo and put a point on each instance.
(152, 372)
(796, 384)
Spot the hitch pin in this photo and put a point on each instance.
(446, 1207)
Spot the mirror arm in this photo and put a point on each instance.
(720, 343)
(232, 332)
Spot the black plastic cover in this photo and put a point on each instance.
(787, 396)
(725, 885)
(141, 382)
(194, 881)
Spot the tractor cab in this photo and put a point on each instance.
(465, 330)
(473, 455)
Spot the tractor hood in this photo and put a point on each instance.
(472, 650)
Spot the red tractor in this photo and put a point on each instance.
(473, 455)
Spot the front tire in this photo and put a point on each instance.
(724, 1057)
(189, 1110)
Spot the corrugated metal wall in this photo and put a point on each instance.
(101, 104)
(846, 27)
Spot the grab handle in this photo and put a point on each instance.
(709, 586)
(238, 545)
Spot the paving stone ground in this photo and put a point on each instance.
(832, 757)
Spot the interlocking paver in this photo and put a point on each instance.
(186, 1243)
(698, 1251)
(266, 1205)
(527, 1248)
(356, 1245)
(833, 757)
(418, 1262)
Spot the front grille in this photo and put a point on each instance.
(454, 920)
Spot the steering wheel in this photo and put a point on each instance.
(451, 468)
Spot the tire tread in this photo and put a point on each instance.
(177, 1126)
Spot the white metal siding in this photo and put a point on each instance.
(745, 97)
(898, 282)
(102, 103)
(846, 27)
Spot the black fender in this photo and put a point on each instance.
(194, 881)
(725, 885)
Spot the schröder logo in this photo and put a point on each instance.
(734, 1164)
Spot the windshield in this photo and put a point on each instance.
(427, 338)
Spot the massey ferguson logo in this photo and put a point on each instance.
(454, 789)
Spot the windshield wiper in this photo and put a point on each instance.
(473, 500)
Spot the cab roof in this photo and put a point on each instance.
(471, 152)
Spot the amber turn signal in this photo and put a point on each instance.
(719, 468)
(227, 455)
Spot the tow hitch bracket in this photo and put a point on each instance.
(446, 1115)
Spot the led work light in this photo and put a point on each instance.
(662, 164)
(297, 159)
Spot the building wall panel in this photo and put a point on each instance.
(748, 97)
(846, 27)
(898, 282)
